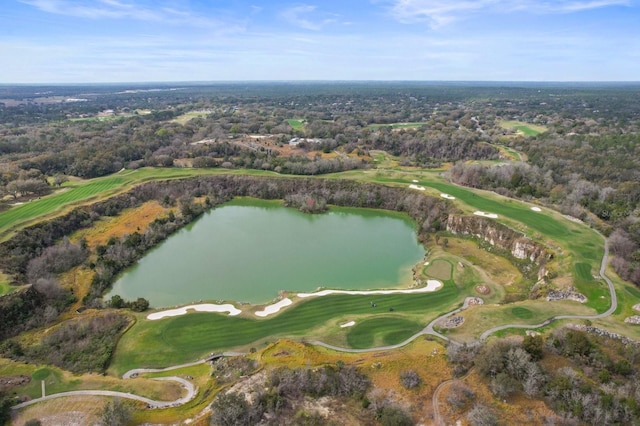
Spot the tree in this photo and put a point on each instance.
(231, 409)
(117, 302)
(533, 346)
(410, 379)
(115, 413)
(394, 416)
(481, 415)
(503, 385)
(5, 408)
(59, 179)
(140, 305)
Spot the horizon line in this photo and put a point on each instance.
(295, 81)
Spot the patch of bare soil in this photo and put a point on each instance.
(483, 289)
(8, 382)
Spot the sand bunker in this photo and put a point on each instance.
(348, 324)
(432, 285)
(489, 215)
(415, 181)
(205, 307)
(536, 209)
(272, 309)
(419, 188)
(447, 196)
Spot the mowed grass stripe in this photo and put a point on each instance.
(389, 329)
(78, 193)
(186, 338)
(579, 239)
(49, 204)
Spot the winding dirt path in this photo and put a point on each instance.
(437, 418)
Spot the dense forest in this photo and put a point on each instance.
(583, 159)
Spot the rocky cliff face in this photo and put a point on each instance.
(501, 237)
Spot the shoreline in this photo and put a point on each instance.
(432, 285)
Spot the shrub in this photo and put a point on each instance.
(410, 379)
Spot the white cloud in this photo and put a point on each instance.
(301, 16)
(438, 13)
(131, 10)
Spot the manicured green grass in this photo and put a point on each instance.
(579, 239)
(388, 329)
(185, 338)
(520, 312)
(596, 291)
(43, 206)
(527, 129)
(41, 374)
(76, 193)
(583, 271)
(296, 123)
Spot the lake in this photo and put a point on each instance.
(248, 250)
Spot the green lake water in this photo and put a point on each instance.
(248, 250)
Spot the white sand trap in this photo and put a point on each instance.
(348, 324)
(205, 307)
(419, 188)
(489, 215)
(272, 309)
(536, 209)
(415, 181)
(432, 285)
(447, 196)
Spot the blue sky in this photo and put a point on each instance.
(75, 41)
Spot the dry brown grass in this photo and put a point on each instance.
(517, 410)
(439, 269)
(130, 221)
(426, 358)
(76, 410)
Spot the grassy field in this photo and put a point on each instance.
(77, 193)
(527, 129)
(57, 380)
(296, 124)
(440, 269)
(382, 331)
(187, 116)
(214, 332)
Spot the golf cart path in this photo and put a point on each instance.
(428, 330)
(191, 393)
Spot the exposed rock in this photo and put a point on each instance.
(8, 382)
(636, 307)
(604, 333)
(635, 319)
(452, 321)
(470, 301)
(566, 295)
(500, 236)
